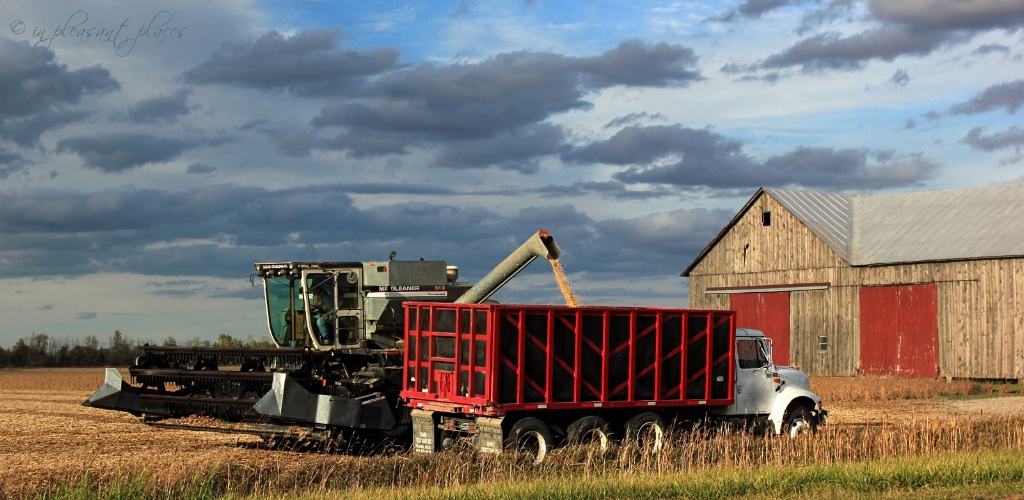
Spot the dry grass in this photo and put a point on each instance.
(51, 379)
(53, 445)
(870, 389)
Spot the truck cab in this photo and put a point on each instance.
(766, 393)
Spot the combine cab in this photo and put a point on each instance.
(338, 365)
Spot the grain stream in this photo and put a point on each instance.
(563, 283)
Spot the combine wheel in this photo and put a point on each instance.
(531, 435)
(646, 431)
(591, 429)
(798, 422)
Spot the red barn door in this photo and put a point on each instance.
(899, 330)
(768, 312)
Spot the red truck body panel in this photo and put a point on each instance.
(494, 358)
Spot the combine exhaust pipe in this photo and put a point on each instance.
(541, 244)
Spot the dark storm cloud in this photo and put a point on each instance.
(685, 157)
(972, 15)
(200, 169)
(161, 109)
(221, 230)
(36, 91)
(31, 83)
(903, 28)
(991, 48)
(608, 189)
(516, 150)
(427, 105)
(295, 141)
(1008, 95)
(1012, 137)
(634, 118)
(119, 152)
(308, 64)
(900, 79)
(26, 130)
(752, 9)
(831, 51)
(10, 162)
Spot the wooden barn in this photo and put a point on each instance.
(924, 284)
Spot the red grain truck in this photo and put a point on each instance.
(531, 377)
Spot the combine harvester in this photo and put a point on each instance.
(376, 352)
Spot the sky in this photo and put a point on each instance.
(151, 151)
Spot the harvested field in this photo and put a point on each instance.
(49, 440)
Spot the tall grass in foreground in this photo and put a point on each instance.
(686, 453)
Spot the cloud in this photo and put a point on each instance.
(1008, 95)
(36, 91)
(1012, 137)
(752, 9)
(86, 315)
(972, 15)
(199, 168)
(900, 79)
(901, 28)
(494, 98)
(684, 157)
(633, 118)
(162, 109)
(516, 150)
(308, 64)
(991, 48)
(119, 152)
(220, 230)
(26, 130)
(831, 51)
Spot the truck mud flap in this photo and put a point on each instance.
(288, 400)
(489, 438)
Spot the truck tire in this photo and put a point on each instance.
(590, 429)
(798, 422)
(646, 431)
(531, 435)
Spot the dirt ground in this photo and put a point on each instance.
(48, 438)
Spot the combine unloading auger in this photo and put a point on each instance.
(339, 327)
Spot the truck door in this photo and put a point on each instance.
(755, 377)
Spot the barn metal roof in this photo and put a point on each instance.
(827, 215)
(958, 224)
(985, 222)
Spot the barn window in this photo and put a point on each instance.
(766, 218)
(822, 343)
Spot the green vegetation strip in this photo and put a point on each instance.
(974, 475)
(963, 475)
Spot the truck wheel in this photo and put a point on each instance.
(798, 422)
(646, 431)
(590, 429)
(531, 435)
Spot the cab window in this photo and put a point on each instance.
(749, 354)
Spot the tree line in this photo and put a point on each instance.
(42, 350)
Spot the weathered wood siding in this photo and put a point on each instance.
(980, 302)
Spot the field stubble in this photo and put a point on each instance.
(50, 442)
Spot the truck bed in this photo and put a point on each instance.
(495, 358)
